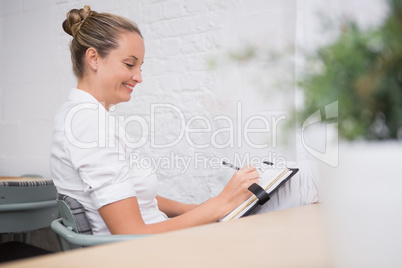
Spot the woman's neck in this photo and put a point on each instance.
(90, 87)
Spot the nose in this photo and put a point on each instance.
(137, 77)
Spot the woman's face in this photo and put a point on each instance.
(120, 70)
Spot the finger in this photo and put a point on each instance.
(248, 169)
(252, 176)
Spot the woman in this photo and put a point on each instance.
(107, 52)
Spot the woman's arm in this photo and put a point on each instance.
(124, 217)
(173, 208)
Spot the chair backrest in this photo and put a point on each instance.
(74, 230)
(73, 214)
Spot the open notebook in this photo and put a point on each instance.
(270, 180)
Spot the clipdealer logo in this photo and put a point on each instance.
(112, 129)
(328, 116)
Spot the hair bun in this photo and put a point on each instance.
(75, 18)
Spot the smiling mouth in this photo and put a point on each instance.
(129, 87)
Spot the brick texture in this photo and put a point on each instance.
(198, 60)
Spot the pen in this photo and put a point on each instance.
(237, 168)
(230, 165)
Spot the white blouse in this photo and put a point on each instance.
(89, 162)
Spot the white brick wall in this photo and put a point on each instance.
(183, 38)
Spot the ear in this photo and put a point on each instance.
(92, 58)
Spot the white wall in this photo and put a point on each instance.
(187, 66)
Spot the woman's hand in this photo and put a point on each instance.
(236, 191)
(124, 217)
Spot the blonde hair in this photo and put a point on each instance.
(92, 29)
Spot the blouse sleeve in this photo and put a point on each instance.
(95, 153)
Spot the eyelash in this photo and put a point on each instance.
(131, 66)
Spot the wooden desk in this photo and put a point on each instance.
(288, 238)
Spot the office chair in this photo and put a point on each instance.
(74, 230)
(27, 203)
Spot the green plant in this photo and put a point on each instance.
(362, 70)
